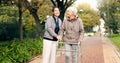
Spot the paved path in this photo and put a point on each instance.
(37, 59)
(111, 54)
(95, 49)
(92, 50)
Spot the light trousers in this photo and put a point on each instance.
(49, 51)
(70, 47)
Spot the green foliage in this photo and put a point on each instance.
(110, 12)
(5, 2)
(114, 35)
(44, 10)
(9, 25)
(89, 16)
(29, 26)
(9, 18)
(16, 51)
(8, 22)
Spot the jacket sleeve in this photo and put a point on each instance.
(81, 29)
(62, 29)
(48, 27)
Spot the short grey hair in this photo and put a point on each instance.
(73, 9)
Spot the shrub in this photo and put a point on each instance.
(16, 51)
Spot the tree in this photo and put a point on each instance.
(109, 11)
(29, 22)
(20, 5)
(32, 6)
(8, 22)
(62, 5)
(89, 16)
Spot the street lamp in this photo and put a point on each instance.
(29, 1)
(13, 3)
(81, 10)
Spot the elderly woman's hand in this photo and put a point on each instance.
(59, 38)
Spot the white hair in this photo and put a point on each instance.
(73, 9)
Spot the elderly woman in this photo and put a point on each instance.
(72, 30)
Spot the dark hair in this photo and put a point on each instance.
(54, 8)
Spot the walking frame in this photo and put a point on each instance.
(62, 49)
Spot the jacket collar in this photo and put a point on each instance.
(68, 19)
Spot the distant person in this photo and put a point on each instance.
(72, 31)
(52, 26)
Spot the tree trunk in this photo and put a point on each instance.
(20, 22)
(39, 26)
(33, 11)
(62, 13)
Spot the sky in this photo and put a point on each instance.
(93, 3)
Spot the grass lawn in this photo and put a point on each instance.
(116, 40)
